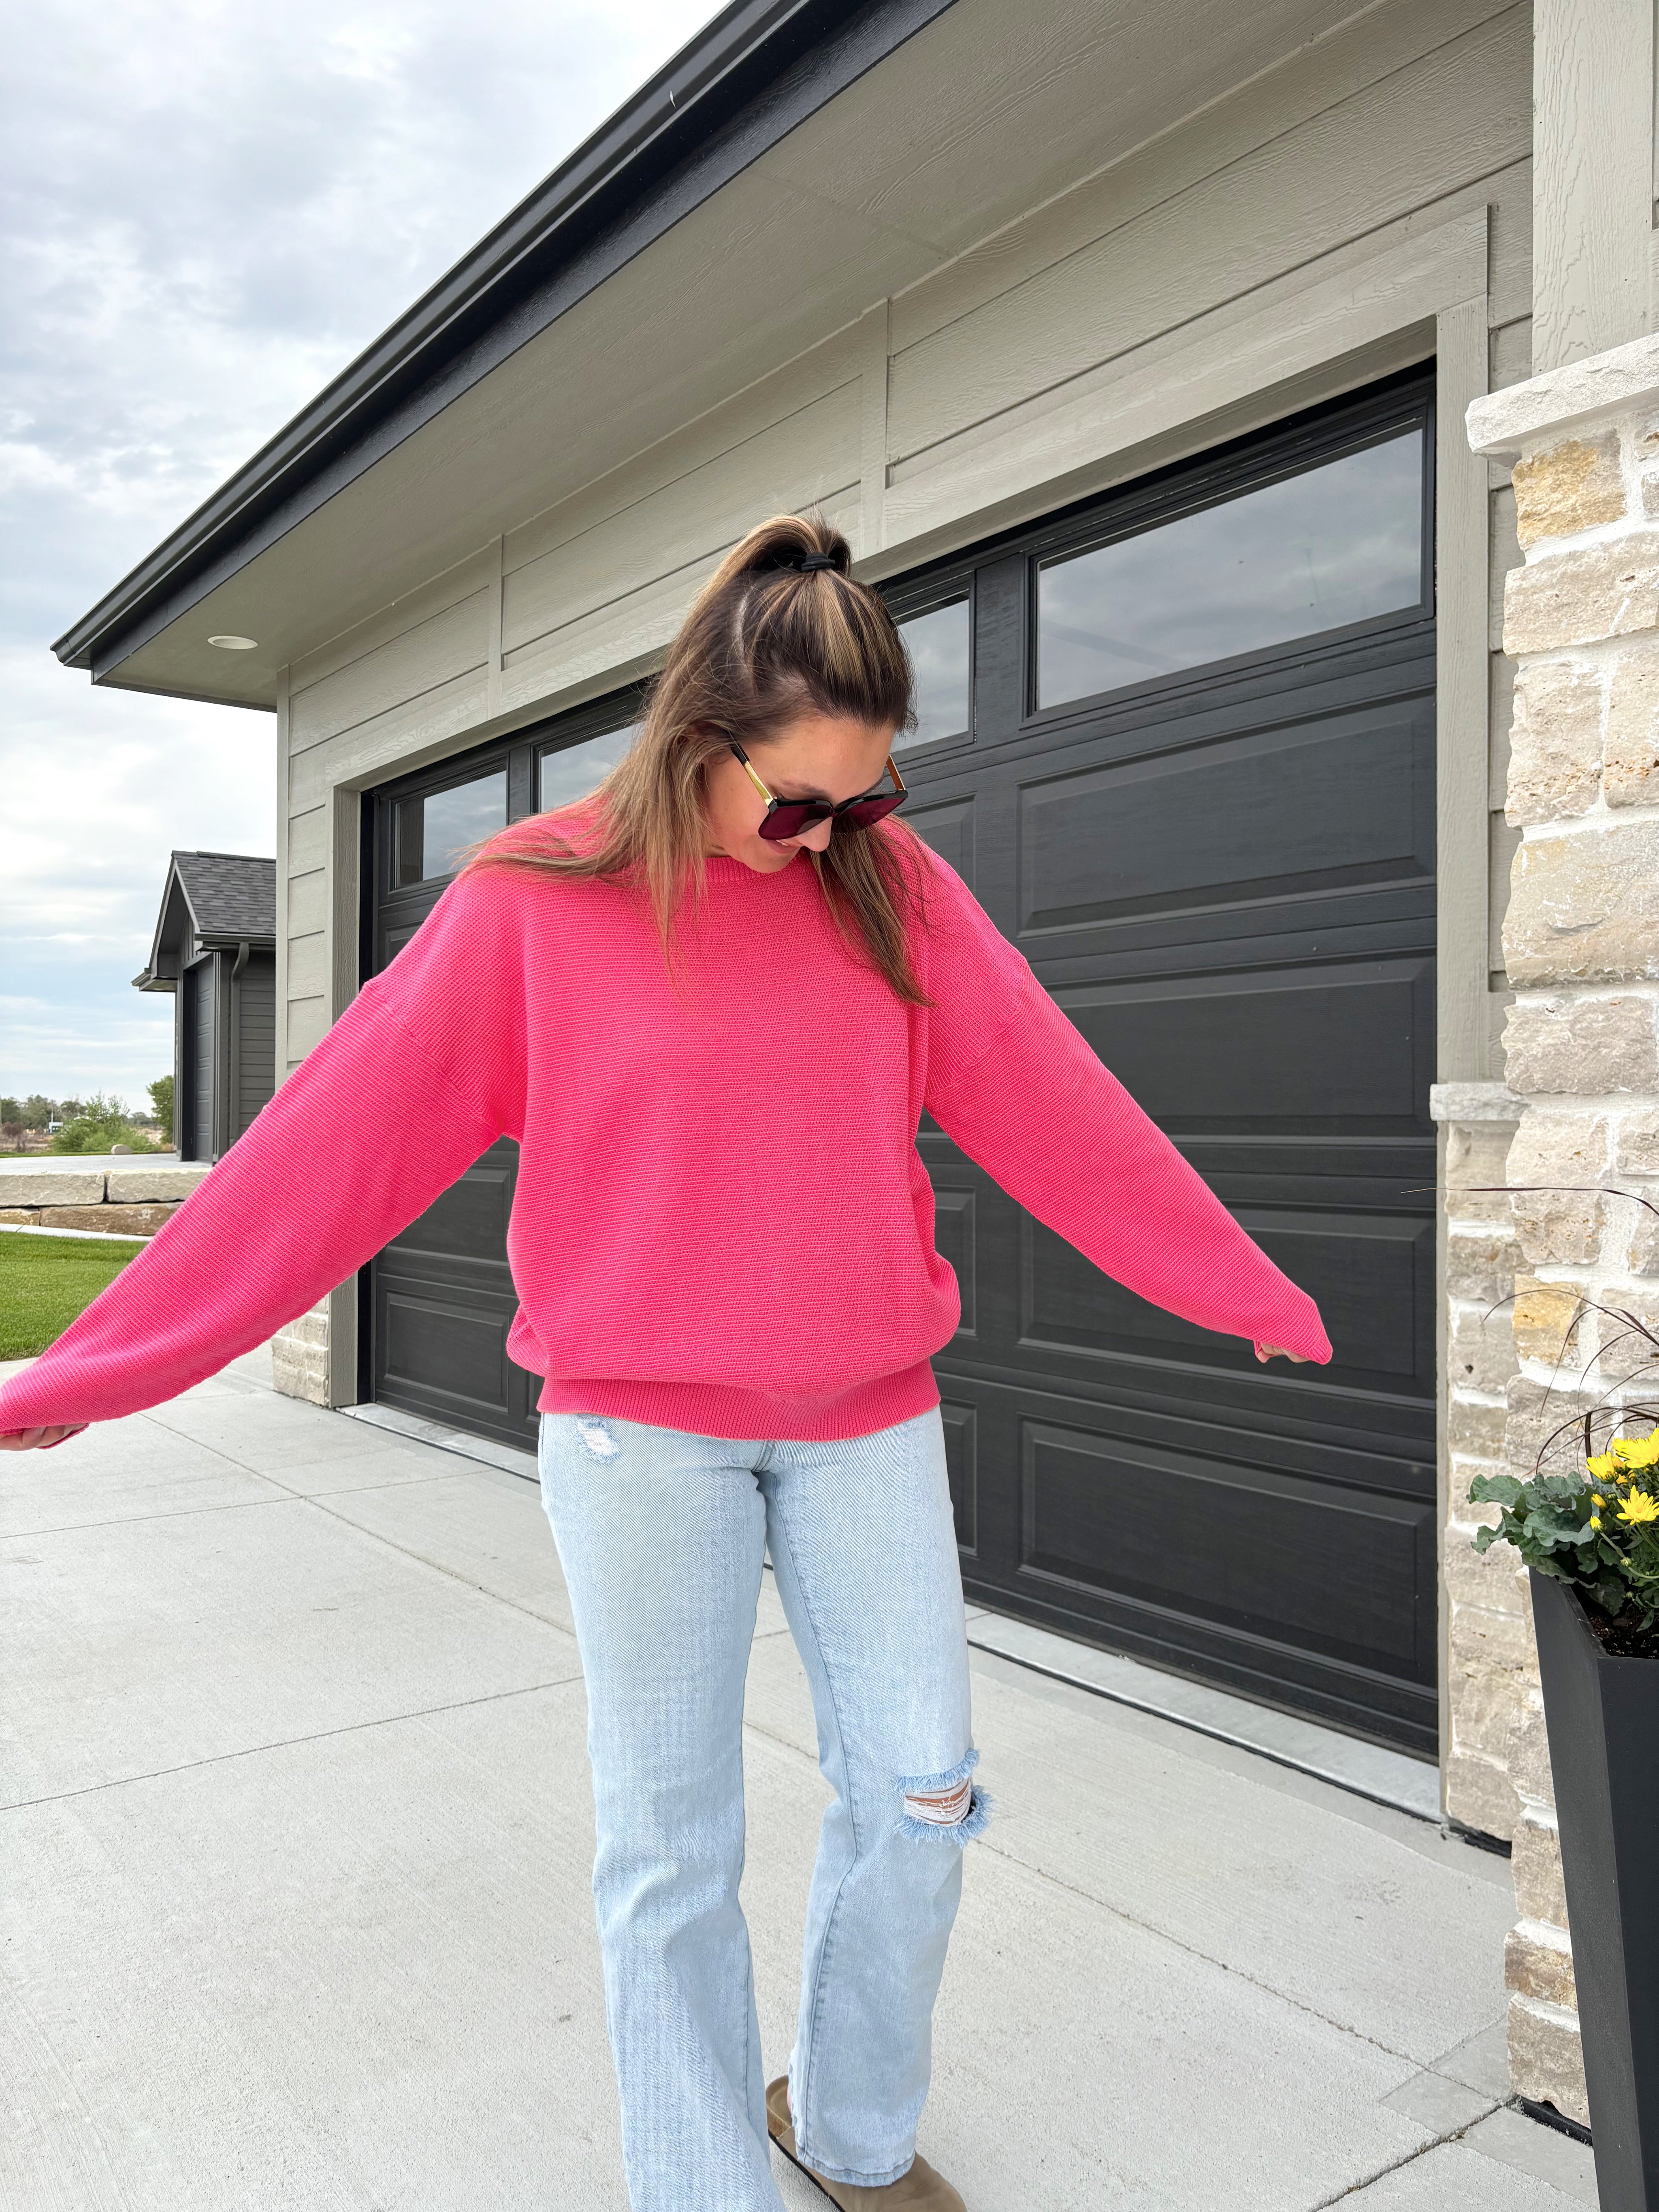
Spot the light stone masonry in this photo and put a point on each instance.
(1580, 943)
(1572, 489)
(1585, 908)
(298, 1357)
(1631, 741)
(1555, 743)
(1482, 1594)
(1589, 1046)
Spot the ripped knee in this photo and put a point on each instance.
(596, 1438)
(948, 1805)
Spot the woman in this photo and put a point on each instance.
(712, 1004)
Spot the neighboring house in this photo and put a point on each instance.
(215, 950)
(1132, 348)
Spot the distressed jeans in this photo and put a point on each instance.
(662, 1535)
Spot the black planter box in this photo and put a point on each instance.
(1602, 1715)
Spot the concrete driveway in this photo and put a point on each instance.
(296, 1840)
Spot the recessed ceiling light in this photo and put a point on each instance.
(236, 644)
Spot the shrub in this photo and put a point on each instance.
(101, 1122)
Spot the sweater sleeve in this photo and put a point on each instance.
(1013, 1083)
(418, 1077)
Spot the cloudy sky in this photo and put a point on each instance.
(208, 209)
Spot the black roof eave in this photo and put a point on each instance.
(747, 79)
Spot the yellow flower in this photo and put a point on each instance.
(1595, 1519)
(1602, 1466)
(1639, 1451)
(1638, 1507)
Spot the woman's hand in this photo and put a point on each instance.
(1265, 1351)
(38, 1439)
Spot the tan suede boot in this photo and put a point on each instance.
(921, 2189)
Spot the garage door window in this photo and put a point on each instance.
(1331, 546)
(940, 647)
(434, 830)
(572, 771)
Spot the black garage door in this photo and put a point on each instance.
(437, 1304)
(1180, 742)
(1198, 793)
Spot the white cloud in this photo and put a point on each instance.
(205, 211)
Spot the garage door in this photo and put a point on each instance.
(437, 1304)
(1180, 742)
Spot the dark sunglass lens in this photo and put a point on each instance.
(788, 819)
(868, 812)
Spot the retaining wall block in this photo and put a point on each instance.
(51, 1187)
(113, 1221)
(136, 1186)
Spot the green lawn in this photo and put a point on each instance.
(45, 1281)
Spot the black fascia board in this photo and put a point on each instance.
(748, 79)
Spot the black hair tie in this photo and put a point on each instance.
(812, 562)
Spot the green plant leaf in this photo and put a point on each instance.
(1496, 1490)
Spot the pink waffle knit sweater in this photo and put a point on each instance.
(721, 1222)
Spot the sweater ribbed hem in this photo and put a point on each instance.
(714, 1409)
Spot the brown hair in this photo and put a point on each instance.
(763, 641)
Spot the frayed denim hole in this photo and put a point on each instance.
(596, 1438)
(945, 1805)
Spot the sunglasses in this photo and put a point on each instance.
(785, 818)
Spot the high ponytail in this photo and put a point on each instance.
(781, 626)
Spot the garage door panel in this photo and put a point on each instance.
(1343, 1049)
(1307, 1563)
(948, 828)
(961, 1424)
(1337, 803)
(954, 1241)
(471, 1216)
(444, 1354)
(1370, 1279)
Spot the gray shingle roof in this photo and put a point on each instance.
(231, 894)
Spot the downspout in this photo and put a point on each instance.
(233, 1114)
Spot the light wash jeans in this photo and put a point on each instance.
(662, 1534)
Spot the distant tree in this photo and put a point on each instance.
(160, 1098)
(10, 1111)
(100, 1123)
(70, 1110)
(11, 1134)
(37, 1112)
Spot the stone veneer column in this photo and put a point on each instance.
(299, 1355)
(1580, 944)
(1490, 1663)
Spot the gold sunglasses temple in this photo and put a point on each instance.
(748, 770)
(892, 770)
